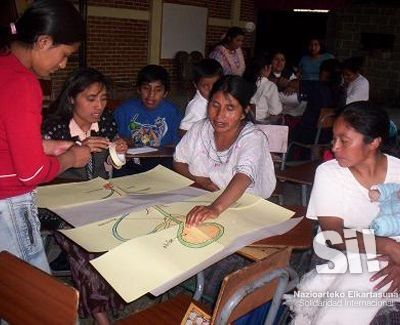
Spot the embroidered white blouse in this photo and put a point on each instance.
(249, 155)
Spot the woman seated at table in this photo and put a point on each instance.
(340, 202)
(226, 151)
(79, 114)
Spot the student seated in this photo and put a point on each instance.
(205, 74)
(266, 99)
(357, 86)
(339, 202)
(323, 93)
(79, 113)
(288, 86)
(149, 120)
(226, 151)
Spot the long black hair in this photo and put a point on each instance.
(367, 119)
(62, 108)
(56, 18)
(238, 87)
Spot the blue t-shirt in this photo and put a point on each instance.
(155, 127)
(309, 66)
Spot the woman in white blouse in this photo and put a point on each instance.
(226, 151)
(266, 99)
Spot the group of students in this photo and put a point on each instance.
(219, 149)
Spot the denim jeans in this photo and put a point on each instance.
(20, 230)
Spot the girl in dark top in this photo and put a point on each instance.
(79, 114)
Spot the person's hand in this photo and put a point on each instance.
(121, 146)
(289, 90)
(56, 147)
(96, 144)
(206, 183)
(283, 82)
(390, 274)
(201, 213)
(391, 252)
(80, 155)
(374, 195)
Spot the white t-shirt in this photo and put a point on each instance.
(195, 111)
(337, 193)
(357, 90)
(266, 99)
(249, 155)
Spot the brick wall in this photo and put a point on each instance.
(119, 47)
(382, 67)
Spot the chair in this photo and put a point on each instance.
(277, 136)
(241, 292)
(29, 295)
(302, 174)
(325, 121)
(278, 143)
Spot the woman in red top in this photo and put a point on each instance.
(36, 45)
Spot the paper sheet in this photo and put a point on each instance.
(173, 252)
(104, 235)
(136, 151)
(95, 212)
(71, 194)
(158, 180)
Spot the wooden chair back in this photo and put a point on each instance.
(326, 117)
(29, 295)
(238, 279)
(325, 121)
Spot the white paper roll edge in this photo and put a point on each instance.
(118, 159)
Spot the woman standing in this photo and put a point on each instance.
(38, 44)
(310, 63)
(229, 53)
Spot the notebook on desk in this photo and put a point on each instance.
(136, 151)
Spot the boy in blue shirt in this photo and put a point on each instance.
(149, 120)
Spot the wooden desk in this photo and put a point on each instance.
(300, 237)
(162, 152)
(301, 174)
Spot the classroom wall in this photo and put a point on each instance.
(125, 35)
(382, 66)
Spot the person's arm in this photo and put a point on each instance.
(274, 102)
(75, 157)
(204, 182)
(235, 189)
(385, 246)
(56, 147)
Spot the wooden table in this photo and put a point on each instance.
(302, 174)
(300, 237)
(162, 152)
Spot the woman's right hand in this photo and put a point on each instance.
(81, 156)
